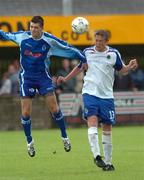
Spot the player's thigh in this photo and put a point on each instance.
(107, 111)
(51, 102)
(26, 106)
(45, 86)
(27, 88)
(91, 106)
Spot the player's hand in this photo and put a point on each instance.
(60, 80)
(85, 66)
(133, 64)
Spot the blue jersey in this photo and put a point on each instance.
(35, 55)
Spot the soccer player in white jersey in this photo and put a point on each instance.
(98, 96)
(36, 48)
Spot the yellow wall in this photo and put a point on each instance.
(125, 29)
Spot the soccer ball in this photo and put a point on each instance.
(80, 25)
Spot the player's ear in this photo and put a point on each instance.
(107, 41)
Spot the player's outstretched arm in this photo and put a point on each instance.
(131, 66)
(6, 35)
(15, 37)
(63, 49)
(72, 74)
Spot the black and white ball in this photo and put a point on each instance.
(80, 25)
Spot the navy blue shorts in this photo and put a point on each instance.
(103, 108)
(30, 86)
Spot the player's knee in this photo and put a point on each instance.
(54, 109)
(26, 110)
(92, 122)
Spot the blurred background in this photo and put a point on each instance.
(124, 19)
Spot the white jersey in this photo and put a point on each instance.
(99, 77)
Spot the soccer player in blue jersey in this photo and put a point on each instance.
(98, 96)
(36, 48)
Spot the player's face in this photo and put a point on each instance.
(36, 30)
(100, 43)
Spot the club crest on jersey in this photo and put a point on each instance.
(44, 47)
(108, 56)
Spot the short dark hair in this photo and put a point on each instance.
(38, 19)
(104, 33)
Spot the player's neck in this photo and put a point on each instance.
(101, 49)
(37, 37)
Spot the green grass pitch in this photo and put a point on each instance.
(53, 163)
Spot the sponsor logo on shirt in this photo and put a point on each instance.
(35, 55)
